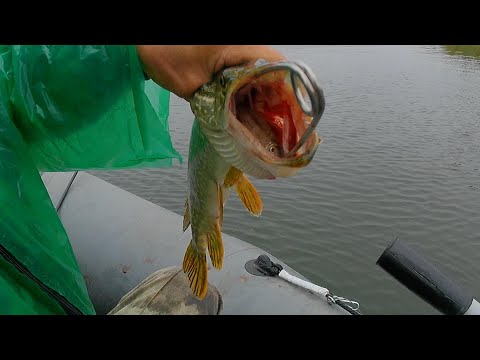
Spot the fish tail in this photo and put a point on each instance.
(195, 267)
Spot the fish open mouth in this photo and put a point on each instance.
(268, 109)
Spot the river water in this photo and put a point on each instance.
(400, 158)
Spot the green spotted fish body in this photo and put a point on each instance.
(243, 124)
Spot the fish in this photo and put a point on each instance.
(245, 124)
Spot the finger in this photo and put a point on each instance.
(242, 54)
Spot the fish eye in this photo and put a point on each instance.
(271, 147)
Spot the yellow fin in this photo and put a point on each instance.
(195, 267)
(232, 176)
(215, 246)
(249, 196)
(186, 216)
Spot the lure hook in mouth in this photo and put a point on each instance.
(301, 76)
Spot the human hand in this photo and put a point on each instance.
(182, 69)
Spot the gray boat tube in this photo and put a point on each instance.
(425, 280)
(119, 239)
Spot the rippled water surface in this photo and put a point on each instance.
(400, 158)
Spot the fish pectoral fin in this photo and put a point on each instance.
(195, 267)
(215, 246)
(232, 176)
(249, 196)
(186, 216)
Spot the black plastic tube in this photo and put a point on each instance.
(424, 279)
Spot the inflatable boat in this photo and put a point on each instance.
(119, 239)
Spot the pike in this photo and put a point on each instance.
(254, 120)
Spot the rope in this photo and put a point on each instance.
(265, 266)
(304, 284)
(348, 305)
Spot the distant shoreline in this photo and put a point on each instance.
(467, 50)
